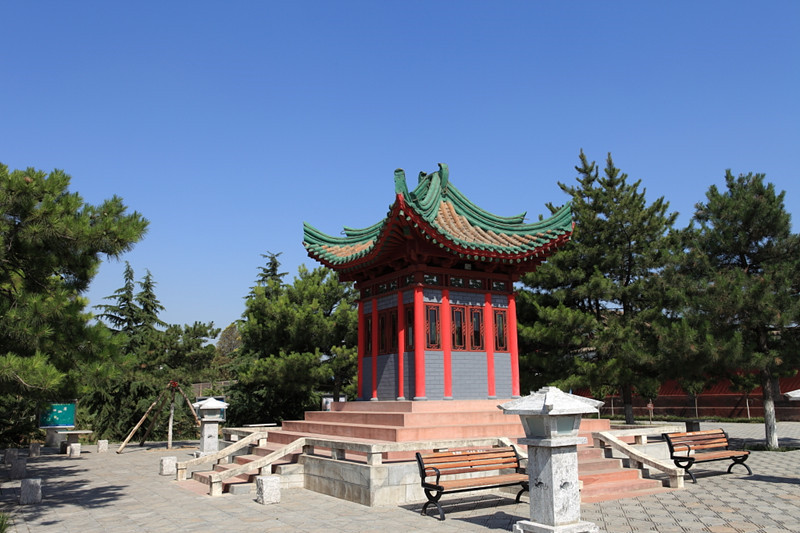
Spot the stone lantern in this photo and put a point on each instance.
(551, 419)
(211, 412)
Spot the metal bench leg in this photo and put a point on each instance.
(524, 489)
(736, 462)
(686, 465)
(433, 499)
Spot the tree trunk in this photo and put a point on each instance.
(770, 422)
(627, 400)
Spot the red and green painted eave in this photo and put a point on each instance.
(437, 213)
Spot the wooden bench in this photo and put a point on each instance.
(458, 467)
(686, 449)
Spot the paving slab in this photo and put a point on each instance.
(112, 492)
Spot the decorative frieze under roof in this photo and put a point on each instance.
(437, 220)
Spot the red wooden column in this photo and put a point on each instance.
(447, 344)
(401, 344)
(512, 343)
(488, 319)
(361, 348)
(419, 344)
(374, 334)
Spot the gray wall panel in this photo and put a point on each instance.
(434, 375)
(469, 376)
(502, 375)
(387, 377)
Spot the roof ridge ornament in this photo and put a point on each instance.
(444, 176)
(400, 186)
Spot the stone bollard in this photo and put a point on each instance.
(10, 456)
(268, 489)
(18, 468)
(34, 450)
(74, 450)
(168, 466)
(30, 491)
(102, 446)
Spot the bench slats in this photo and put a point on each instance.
(473, 462)
(486, 481)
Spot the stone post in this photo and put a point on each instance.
(74, 450)
(34, 450)
(168, 466)
(30, 491)
(268, 489)
(102, 446)
(551, 419)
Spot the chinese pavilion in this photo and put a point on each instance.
(436, 313)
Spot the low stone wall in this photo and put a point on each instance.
(370, 485)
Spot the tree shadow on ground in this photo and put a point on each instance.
(774, 479)
(473, 505)
(64, 484)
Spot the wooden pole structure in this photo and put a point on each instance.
(171, 416)
(156, 414)
(122, 446)
(191, 408)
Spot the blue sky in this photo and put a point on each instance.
(228, 124)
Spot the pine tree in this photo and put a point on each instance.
(297, 340)
(589, 310)
(51, 244)
(153, 353)
(125, 315)
(741, 276)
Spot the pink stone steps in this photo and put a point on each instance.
(603, 478)
(620, 489)
(402, 434)
(242, 479)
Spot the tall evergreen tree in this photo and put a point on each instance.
(153, 354)
(296, 341)
(51, 245)
(124, 315)
(589, 310)
(740, 274)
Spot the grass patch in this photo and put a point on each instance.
(5, 522)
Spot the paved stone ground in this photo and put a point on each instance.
(116, 493)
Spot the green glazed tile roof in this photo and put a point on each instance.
(439, 213)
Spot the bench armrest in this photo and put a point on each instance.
(688, 448)
(436, 470)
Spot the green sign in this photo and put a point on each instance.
(59, 415)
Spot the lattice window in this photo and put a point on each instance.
(500, 330)
(476, 328)
(458, 327)
(432, 327)
(409, 328)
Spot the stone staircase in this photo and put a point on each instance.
(606, 479)
(404, 421)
